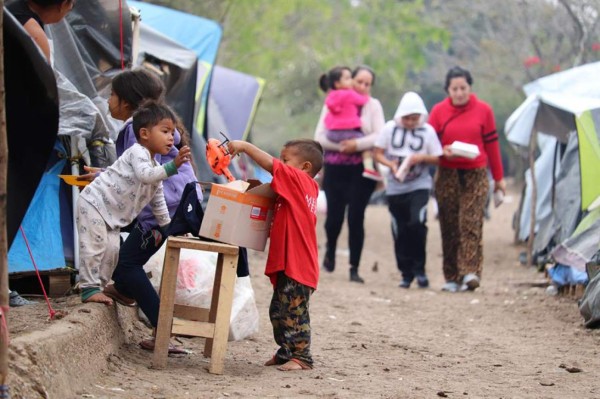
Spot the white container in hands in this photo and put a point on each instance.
(466, 150)
(498, 198)
(403, 169)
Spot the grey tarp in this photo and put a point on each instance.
(589, 305)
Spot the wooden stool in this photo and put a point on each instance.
(213, 323)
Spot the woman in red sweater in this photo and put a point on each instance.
(461, 186)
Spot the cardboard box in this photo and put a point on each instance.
(239, 213)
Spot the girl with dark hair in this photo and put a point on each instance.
(344, 184)
(342, 119)
(462, 184)
(33, 14)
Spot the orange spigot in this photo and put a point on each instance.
(218, 157)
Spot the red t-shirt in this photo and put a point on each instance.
(293, 247)
(471, 123)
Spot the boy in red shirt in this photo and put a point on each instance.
(292, 263)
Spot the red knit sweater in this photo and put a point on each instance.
(471, 123)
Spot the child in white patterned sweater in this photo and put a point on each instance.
(116, 197)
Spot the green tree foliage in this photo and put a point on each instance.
(290, 43)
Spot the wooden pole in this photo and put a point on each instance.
(531, 238)
(3, 196)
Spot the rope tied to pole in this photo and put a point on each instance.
(51, 311)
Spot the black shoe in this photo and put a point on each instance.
(355, 277)
(422, 281)
(404, 284)
(329, 264)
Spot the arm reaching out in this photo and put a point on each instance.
(263, 159)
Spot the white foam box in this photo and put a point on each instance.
(466, 150)
(239, 213)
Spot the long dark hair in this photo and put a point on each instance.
(136, 86)
(327, 80)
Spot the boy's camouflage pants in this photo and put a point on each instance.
(290, 319)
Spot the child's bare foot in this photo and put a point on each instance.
(271, 362)
(293, 365)
(99, 298)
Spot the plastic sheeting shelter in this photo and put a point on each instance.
(86, 49)
(200, 35)
(226, 100)
(564, 110)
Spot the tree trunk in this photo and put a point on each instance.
(3, 242)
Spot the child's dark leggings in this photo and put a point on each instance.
(344, 188)
(290, 319)
(129, 276)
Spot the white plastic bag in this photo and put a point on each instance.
(195, 285)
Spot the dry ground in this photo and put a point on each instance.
(506, 340)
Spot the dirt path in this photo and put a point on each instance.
(506, 340)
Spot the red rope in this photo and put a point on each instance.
(121, 34)
(50, 310)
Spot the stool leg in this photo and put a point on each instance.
(220, 311)
(167, 304)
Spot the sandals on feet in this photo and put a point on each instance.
(111, 292)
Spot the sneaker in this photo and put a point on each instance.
(422, 281)
(404, 284)
(16, 300)
(372, 174)
(470, 282)
(450, 286)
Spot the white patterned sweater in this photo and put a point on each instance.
(129, 184)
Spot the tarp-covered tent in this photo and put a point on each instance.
(87, 50)
(232, 114)
(564, 111)
(200, 35)
(226, 99)
(31, 119)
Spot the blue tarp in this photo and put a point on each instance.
(196, 33)
(42, 227)
(565, 275)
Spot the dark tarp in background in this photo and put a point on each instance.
(31, 119)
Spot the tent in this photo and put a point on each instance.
(232, 114)
(217, 110)
(563, 110)
(32, 119)
(87, 54)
